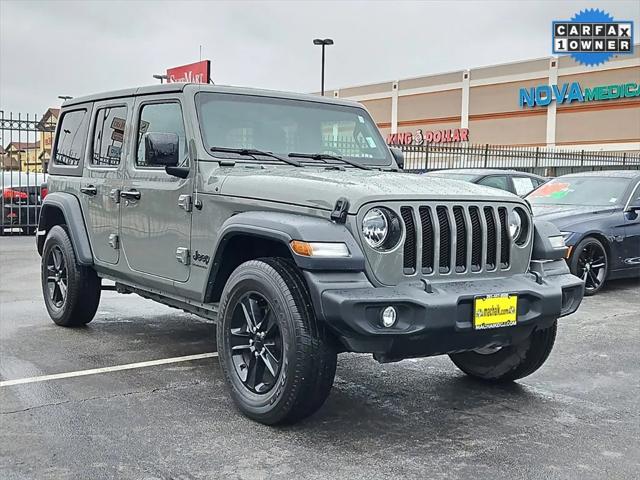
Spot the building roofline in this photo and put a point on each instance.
(636, 46)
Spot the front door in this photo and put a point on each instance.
(155, 206)
(631, 243)
(102, 180)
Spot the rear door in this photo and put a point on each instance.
(155, 206)
(102, 179)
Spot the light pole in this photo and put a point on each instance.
(161, 78)
(324, 42)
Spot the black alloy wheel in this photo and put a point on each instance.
(57, 280)
(591, 265)
(256, 343)
(71, 292)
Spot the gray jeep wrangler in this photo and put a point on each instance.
(284, 218)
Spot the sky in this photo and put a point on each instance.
(51, 48)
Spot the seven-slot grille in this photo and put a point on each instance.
(455, 239)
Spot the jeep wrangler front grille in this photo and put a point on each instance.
(456, 238)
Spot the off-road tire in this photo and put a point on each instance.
(82, 284)
(309, 357)
(509, 363)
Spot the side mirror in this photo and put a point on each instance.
(633, 209)
(398, 156)
(161, 149)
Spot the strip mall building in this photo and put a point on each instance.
(552, 101)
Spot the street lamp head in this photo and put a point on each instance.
(320, 41)
(64, 97)
(160, 77)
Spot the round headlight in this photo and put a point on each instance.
(518, 226)
(375, 227)
(381, 229)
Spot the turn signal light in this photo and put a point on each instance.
(319, 249)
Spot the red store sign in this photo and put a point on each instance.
(199, 72)
(451, 135)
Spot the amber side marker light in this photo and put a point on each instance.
(568, 254)
(319, 249)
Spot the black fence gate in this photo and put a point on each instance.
(25, 149)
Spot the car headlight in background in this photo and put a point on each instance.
(518, 226)
(566, 235)
(381, 228)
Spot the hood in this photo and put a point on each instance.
(564, 216)
(320, 187)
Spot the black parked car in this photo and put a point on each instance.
(520, 183)
(598, 214)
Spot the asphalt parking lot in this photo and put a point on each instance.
(577, 417)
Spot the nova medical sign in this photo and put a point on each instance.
(543, 95)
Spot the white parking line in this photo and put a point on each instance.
(115, 368)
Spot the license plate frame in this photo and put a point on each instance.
(495, 311)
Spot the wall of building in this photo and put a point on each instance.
(486, 101)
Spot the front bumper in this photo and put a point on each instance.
(436, 318)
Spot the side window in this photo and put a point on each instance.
(71, 138)
(108, 136)
(161, 118)
(496, 181)
(523, 185)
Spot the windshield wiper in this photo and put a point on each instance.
(252, 152)
(326, 156)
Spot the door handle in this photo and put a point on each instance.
(131, 194)
(89, 190)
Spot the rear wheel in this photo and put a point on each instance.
(590, 262)
(71, 291)
(277, 359)
(508, 363)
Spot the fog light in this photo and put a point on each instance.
(389, 317)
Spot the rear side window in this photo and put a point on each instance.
(496, 181)
(71, 136)
(108, 136)
(161, 118)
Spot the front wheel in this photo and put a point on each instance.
(590, 262)
(508, 363)
(277, 358)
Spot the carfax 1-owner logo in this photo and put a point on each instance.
(592, 37)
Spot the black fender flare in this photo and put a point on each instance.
(283, 228)
(69, 205)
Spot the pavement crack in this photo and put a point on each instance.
(105, 397)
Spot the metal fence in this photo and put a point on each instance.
(544, 161)
(26, 141)
(25, 149)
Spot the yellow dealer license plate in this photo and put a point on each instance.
(493, 311)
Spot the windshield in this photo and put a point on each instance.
(589, 191)
(284, 126)
(467, 177)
